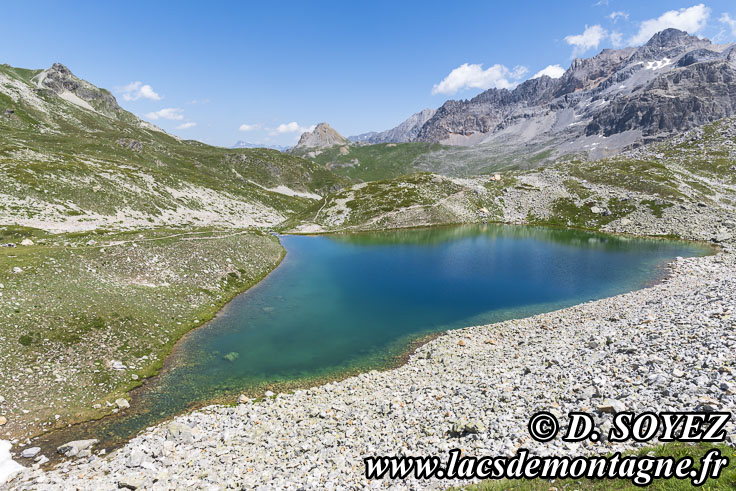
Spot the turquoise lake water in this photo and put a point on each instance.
(344, 303)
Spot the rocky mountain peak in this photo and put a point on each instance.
(61, 81)
(322, 136)
(62, 69)
(617, 99)
(671, 37)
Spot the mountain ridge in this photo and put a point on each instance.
(616, 100)
(405, 131)
(247, 144)
(72, 159)
(630, 81)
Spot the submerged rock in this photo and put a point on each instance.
(232, 356)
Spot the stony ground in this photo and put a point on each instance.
(668, 347)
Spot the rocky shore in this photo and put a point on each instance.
(668, 347)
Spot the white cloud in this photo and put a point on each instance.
(292, 127)
(189, 124)
(137, 90)
(590, 38)
(168, 113)
(617, 39)
(552, 71)
(731, 23)
(249, 127)
(615, 16)
(199, 101)
(474, 77)
(691, 19)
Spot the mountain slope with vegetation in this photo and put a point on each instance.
(74, 160)
(615, 101)
(375, 162)
(689, 178)
(117, 238)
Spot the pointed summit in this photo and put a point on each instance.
(671, 38)
(323, 136)
(62, 82)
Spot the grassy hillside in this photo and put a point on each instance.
(72, 305)
(60, 160)
(151, 236)
(690, 178)
(374, 162)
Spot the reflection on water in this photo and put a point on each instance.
(346, 303)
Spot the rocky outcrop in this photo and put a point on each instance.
(134, 145)
(671, 84)
(323, 136)
(61, 81)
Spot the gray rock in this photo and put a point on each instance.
(136, 458)
(29, 453)
(73, 448)
(132, 481)
(461, 428)
(611, 406)
(180, 431)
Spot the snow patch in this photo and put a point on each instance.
(659, 64)
(290, 192)
(8, 467)
(281, 189)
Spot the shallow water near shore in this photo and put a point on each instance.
(348, 303)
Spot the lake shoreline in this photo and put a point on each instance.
(446, 362)
(51, 438)
(416, 350)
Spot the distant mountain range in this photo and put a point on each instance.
(245, 144)
(404, 132)
(617, 99)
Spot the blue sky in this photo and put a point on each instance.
(264, 71)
